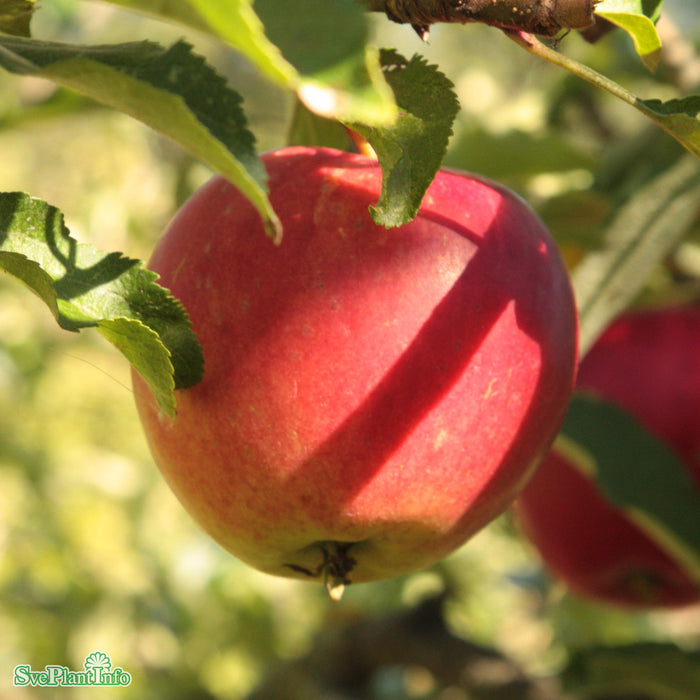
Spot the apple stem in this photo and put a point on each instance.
(361, 144)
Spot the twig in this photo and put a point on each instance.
(546, 18)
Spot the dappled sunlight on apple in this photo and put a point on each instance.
(372, 397)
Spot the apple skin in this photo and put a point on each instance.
(371, 397)
(647, 363)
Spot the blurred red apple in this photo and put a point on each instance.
(371, 397)
(649, 365)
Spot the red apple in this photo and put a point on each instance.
(371, 397)
(649, 365)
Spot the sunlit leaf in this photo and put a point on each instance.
(339, 77)
(235, 22)
(637, 18)
(171, 90)
(85, 287)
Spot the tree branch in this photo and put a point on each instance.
(543, 17)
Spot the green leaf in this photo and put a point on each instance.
(411, 150)
(645, 229)
(235, 22)
(175, 10)
(170, 89)
(309, 129)
(680, 117)
(85, 287)
(232, 21)
(637, 18)
(661, 671)
(650, 9)
(636, 472)
(15, 16)
(148, 355)
(340, 78)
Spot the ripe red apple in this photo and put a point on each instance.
(649, 365)
(371, 397)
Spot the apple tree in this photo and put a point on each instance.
(114, 113)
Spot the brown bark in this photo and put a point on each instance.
(543, 17)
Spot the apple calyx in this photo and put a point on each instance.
(334, 568)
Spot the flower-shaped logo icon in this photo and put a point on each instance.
(98, 659)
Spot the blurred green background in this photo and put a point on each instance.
(96, 554)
